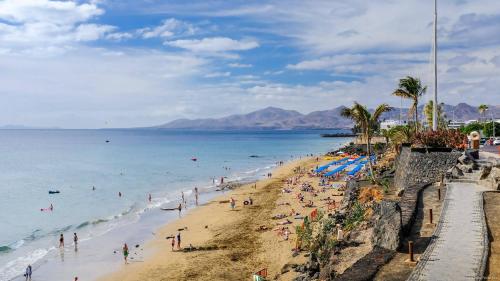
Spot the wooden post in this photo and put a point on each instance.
(430, 215)
(410, 249)
(439, 194)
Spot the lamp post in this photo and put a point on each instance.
(435, 107)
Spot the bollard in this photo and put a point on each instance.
(439, 194)
(430, 215)
(410, 249)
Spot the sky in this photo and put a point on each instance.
(130, 63)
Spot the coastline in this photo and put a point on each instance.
(232, 247)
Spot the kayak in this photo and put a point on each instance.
(54, 191)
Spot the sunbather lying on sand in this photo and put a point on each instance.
(284, 222)
(279, 216)
(309, 205)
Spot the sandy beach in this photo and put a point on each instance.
(232, 245)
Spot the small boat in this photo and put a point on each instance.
(194, 159)
(54, 191)
(169, 209)
(107, 141)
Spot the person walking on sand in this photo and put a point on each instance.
(28, 273)
(196, 195)
(173, 243)
(180, 209)
(125, 253)
(61, 241)
(75, 240)
(233, 203)
(178, 241)
(149, 198)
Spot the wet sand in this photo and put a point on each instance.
(233, 247)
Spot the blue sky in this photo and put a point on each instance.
(124, 63)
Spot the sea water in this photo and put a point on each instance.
(134, 162)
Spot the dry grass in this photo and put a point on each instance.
(492, 211)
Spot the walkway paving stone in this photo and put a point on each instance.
(458, 251)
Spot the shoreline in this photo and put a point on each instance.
(230, 236)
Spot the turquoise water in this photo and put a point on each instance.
(133, 162)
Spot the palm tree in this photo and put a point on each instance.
(429, 111)
(411, 88)
(482, 110)
(367, 122)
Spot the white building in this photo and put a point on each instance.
(387, 124)
(456, 124)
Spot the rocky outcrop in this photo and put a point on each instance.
(366, 268)
(350, 195)
(415, 166)
(387, 225)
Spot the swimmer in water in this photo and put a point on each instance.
(196, 195)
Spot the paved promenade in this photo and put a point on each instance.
(459, 248)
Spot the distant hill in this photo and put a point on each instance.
(268, 118)
(273, 118)
(459, 112)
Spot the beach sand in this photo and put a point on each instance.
(236, 248)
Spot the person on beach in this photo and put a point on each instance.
(93, 188)
(178, 241)
(119, 194)
(76, 278)
(149, 198)
(51, 207)
(61, 241)
(75, 240)
(28, 273)
(173, 243)
(125, 253)
(196, 195)
(233, 203)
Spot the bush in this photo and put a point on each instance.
(355, 216)
(441, 138)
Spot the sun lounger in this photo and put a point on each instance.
(260, 275)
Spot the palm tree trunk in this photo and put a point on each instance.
(368, 151)
(416, 116)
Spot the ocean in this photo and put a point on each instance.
(134, 162)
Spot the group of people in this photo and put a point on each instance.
(178, 241)
(75, 241)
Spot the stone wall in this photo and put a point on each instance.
(419, 166)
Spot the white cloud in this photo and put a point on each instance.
(91, 32)
(119, 36)
(218, 74)
(168, 28)
(56, 12)
(240, 65)
(31, 25)
(214, 44)
(121, 88)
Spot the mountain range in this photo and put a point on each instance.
(273, 118)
